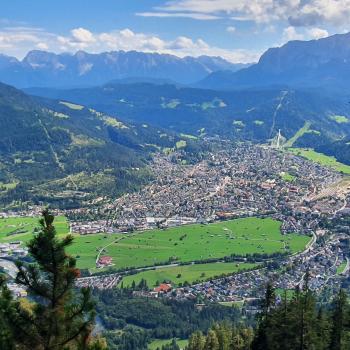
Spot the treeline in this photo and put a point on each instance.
(149, 318)
(296, 323)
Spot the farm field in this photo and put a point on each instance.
(199, 242)
(22, 228)
(84, 248)
(188, 273)
(322, 159)
(179, 244)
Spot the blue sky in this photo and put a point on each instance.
(239, 30)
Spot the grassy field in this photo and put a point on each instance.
(178, 244)
(322, 159)
(340, 119)
(287, 177)
(298, 134)
(22, 228)
(158, 343)
(341, 267)
(84, 248)
(198, 242)
(72, 105)
(238, 304)
(189, 273)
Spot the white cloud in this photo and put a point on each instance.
(82, 35)
(18, 41)
(231, 29)
(193, 15)
(290, 33)
(317, 33)
(297, 12)
(42, 46)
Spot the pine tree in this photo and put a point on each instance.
(338, 322)
(58, 318)
(261, 339)
(196, 341)
(6, 302)
(223, 333)
(212, 342)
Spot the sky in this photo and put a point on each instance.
(238, 30)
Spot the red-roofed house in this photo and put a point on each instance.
(163, 288)
(104, 261)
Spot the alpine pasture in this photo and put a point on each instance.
(164, 246)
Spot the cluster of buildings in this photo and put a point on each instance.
(99, 282)
(320, 263)
(238, 180)
(13, 250)
(233, 181)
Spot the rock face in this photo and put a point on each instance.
(317, 63)
(40, 68)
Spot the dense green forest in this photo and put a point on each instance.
(66, 154)
(314, 119)
(286, 321)
(296, 323)
(121, 311)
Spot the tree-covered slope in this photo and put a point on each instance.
(78, 152)
(254, 114)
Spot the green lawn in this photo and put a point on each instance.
(178, 244)
(287, 177)
(198, 242)
(238, 304)
(181, 144)
(85, 248)
(72, 105)
(340, 119)
(341, 267)
(158, 343)
(322, 159)
(189, 273)
(298, 134)
(22, 228)
(280, 292)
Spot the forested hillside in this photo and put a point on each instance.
(79, 153)
(306, 118)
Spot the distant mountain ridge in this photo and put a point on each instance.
(46, 69)
(318, 63)
(248, 114)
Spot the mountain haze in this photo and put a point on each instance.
(253, 114)
(40, 68)
(323, 63)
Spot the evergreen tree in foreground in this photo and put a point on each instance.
(57, 317)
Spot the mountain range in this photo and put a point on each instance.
(322, 63)
(40, 68)
(70, 145)
(248, 114)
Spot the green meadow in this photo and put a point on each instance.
(198, 242)
(158, 343)
(321, 158)
(187, 273)
(22, 228)
(179, 244)
(341, 268)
